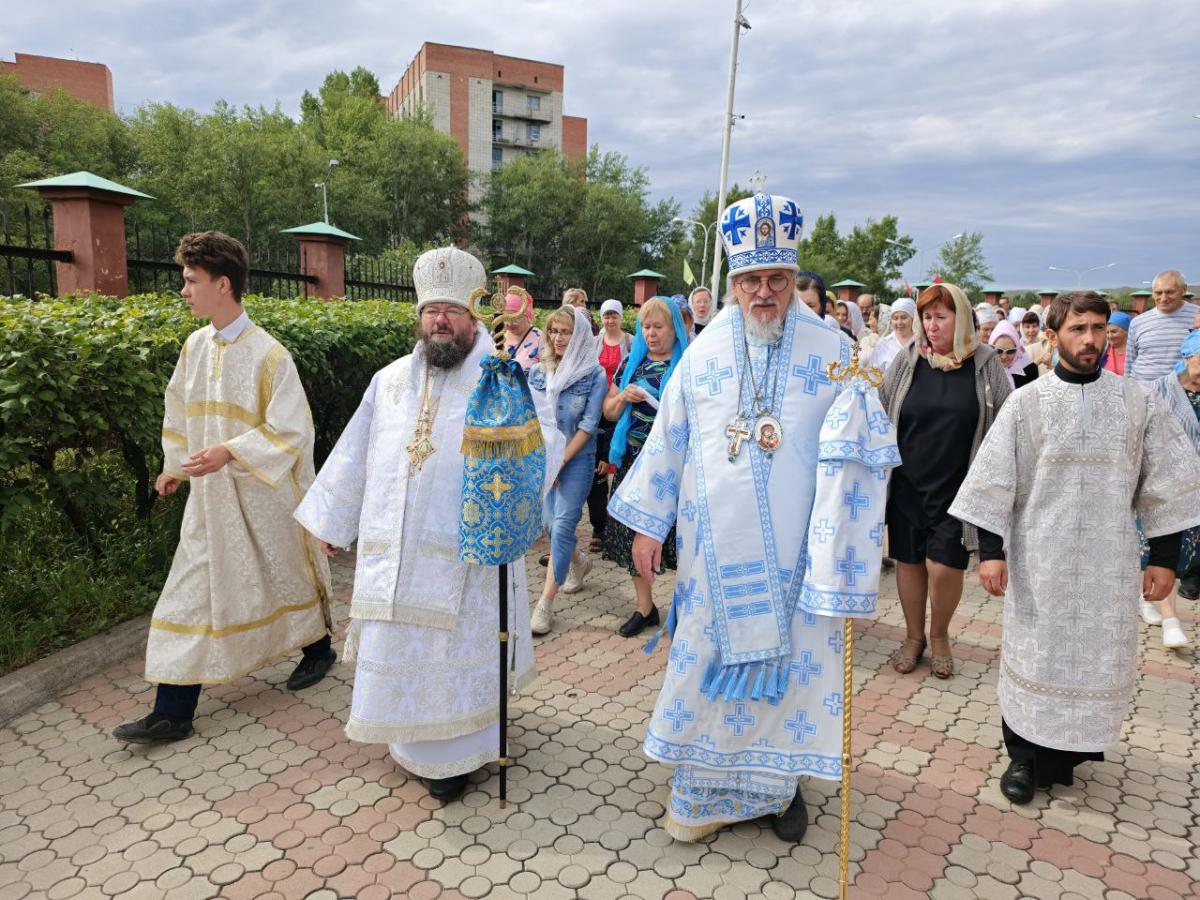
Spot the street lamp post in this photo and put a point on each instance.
(704, 228)
(1079, 273)
(739, 22)
(324, 186)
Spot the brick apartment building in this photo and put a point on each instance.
(496, 107)
(87, 81)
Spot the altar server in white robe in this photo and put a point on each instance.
(1070, 460)
(424, 624)
(247, 584)
(752, 695)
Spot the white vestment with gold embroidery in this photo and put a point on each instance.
(425, 623)
(247, 584)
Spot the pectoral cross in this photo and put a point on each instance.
(737, 431)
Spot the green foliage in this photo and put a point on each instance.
(81, 394)
(585, 224)
(961, 261)
(873, 254)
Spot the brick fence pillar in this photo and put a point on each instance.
(323, 255)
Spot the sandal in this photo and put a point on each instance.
(941, 663)
(906, 656)
(595, 545)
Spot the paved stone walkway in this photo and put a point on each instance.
(271, 800)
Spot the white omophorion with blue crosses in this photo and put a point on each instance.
(752, 695)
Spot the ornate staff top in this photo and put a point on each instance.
(872, 375)
(494, 317)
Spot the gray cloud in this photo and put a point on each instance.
(1061, 129)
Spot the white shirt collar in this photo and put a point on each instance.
(234, 329)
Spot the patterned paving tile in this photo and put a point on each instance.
(271, 800)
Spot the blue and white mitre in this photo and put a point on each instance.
(762, 232)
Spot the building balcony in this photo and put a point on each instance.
(520, 111)
(508, 140)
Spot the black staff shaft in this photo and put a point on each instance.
(503, 685)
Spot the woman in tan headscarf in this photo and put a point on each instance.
(943, 393)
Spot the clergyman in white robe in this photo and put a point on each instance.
(1069, 462)
(425, 624)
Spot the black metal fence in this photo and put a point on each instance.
(27, 253)
(368, 279)
(275, 272)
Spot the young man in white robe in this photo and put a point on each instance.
(247, 584)
(775, 546)
(425, 624)
(1069, 462)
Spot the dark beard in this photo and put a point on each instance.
(1075, 365)
(447, 355)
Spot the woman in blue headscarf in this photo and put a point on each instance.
(1118, 334)
(632, 403)
(1180, 392)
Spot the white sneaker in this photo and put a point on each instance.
(1151, 614)
(542, 616)
(576, 572)
(1172, 634)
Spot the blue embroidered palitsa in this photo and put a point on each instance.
(504, 467)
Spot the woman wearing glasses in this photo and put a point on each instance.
(1018, 364)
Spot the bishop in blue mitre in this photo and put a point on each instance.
(774, 476)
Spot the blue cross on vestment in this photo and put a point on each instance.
(665, 484)
(790, 219)
(823, 530)
(678, 715)
(877, 534)
(801, 727)
(850, 568)
(689, 511)
(739, 719)
(833, 466)
(837, 641)
(690, 597)
(679, 437)
(879, 422)
(805, 668)
(836, 418)
(713, 376)
(682, 657)
(855, 499)
(736, 222)
(833, 703)
(812, 373)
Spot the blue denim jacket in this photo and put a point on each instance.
(579, 406)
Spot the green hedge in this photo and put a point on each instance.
(87, 542)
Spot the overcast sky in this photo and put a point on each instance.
(1063, 130)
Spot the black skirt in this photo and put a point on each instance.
(618, 537)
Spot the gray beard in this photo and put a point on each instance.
(446, 355)
(763, 332)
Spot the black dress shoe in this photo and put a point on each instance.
(791, 825)
(1189, 587)
(637, 623)
(154, 729)
(446, 789)
(310, 670)
(544, 561)
(1017, 782)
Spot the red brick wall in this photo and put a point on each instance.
(87, 81)
(574, 137)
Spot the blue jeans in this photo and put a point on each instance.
(563, 508)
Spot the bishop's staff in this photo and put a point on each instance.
(872, 377)
(504, 466)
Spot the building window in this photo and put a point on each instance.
(497, 129)
(534, 132)
(497, 157)
(534, 104)
(497, 101)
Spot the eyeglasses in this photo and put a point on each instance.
(1012, 352)
(450, 312)
(752, 283)
(559, 332)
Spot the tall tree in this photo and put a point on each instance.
(961, 261)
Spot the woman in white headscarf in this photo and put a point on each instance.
(986, 314)
(700, 302)
(850, 319)
(575, 384)
(900, 334)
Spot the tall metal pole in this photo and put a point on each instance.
(733, 55)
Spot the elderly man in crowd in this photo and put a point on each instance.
(1157, 334)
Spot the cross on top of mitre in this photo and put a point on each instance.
(758, 181)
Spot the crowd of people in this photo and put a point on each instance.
(738, 447)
